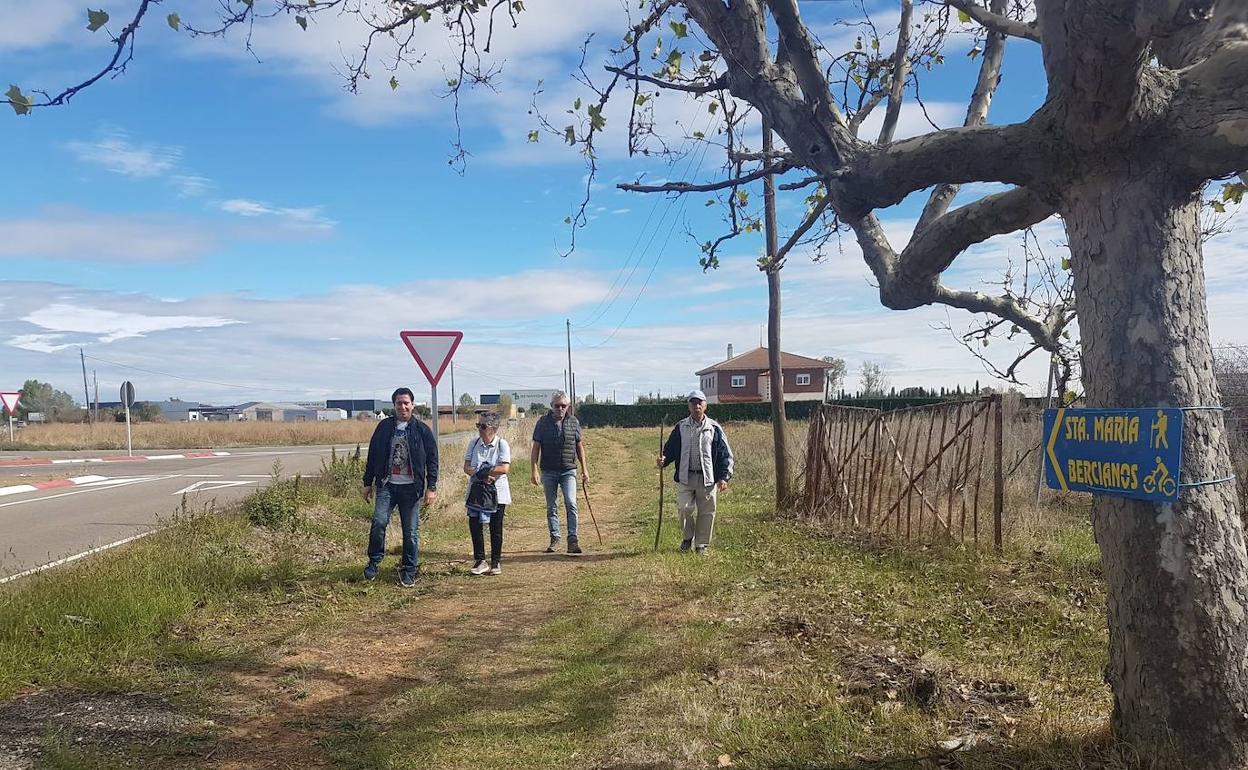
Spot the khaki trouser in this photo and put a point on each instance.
(696, 505)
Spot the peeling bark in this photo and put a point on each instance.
(1177, 573)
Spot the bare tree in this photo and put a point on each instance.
(1145, 106)
(874, 382)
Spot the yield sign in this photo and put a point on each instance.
(432, 351)
(9, 401)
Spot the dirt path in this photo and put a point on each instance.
(278, 713)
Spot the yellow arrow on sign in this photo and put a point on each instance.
(1057, 467)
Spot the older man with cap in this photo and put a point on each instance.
(703, 467)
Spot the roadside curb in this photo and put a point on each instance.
(31, 462)
(54, 484)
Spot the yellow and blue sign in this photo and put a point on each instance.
(1121, 452)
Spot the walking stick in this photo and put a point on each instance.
(585, 486)
(658, 530)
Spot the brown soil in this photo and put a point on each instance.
(276, 713)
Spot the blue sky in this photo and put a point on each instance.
(233, 229)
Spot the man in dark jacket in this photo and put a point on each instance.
(557, 445)
(402, 467)
(703, 467)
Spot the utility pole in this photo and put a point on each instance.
(571, 375)
(86, 394)
(779, 428)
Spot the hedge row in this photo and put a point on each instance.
(649, 415)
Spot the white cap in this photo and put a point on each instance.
(696, 395)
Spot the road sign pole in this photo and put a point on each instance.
(433, 399)
(129, 445)
(10, 429)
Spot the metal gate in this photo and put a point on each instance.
(924, 473)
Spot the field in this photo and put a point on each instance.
(194, 435)
(222, 644)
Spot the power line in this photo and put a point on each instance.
(655, 263)
(615, 293)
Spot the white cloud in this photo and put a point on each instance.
(111, 326)
(305, 218)
(190, 185)
(28, 25)
(75, 234)
(546, 33)
(115, 152)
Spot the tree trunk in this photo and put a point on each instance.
(779, 423)
(1176, 573)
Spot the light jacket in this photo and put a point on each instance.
(713, 452)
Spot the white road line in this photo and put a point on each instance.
(210, 486)
(96, 487)
(75, 557)
(75, 481)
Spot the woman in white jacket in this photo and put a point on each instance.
(487, 459)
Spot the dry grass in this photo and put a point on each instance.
(191, 435)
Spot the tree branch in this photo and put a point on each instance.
(933, 250)
(882, 176)
(995, 21)
(1046, 332)
(810, 76)
(686, 187)
(863, 112)
(976, 115)
(901, 71)
(1210, 114)
(811, 218)
(718, 84)
(116, 65)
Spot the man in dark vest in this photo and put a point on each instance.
(557, 446)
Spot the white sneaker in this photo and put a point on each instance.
(480, 568)
(497, 569)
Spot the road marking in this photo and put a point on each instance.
(93, 487)
(23, 462)
(53, 484)
(208, 486)
(75, 557)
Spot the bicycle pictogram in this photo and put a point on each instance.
(1160, 479)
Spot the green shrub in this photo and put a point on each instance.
(277, 505)
(342, 475)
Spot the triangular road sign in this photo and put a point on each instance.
(9, 401)
(432, 351)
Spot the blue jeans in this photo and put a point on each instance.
(552, 481)
(406, 499)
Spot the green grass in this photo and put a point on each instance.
(787, 647)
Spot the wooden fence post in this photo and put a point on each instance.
(998, 491)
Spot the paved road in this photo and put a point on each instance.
(117, 501)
